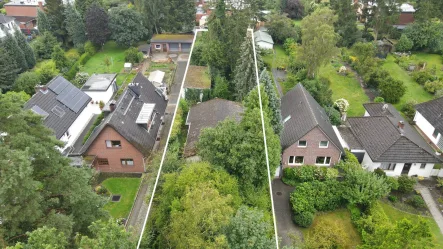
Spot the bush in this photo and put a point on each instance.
(26, 82)
(392, 182)
(416, 201)
(47, 71)
(404, 44)
(101, 190)
(90, 48)
(72, 71)
(438, 94)
(392, 90)
(304, 219)
(423, 76)
(380, 172)
(406, 184)
(374, 78)
(80, 79)
(408, 109)
(84, 58)
(333, 115)
(433, 86)
(379, 100)
(392, 198)
(308, 173)
(133, 55)
(349, 157)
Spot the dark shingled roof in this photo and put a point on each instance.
(5, 19)
(49, 100)
(305, 114)
(349, 138)
(378, 109)
(432, 111)
(208, 114)
(127, 109)
(385, 142)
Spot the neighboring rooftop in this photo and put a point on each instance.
(262, 36)
(172, 38)
(406, 7)
(132, 106)
(5, 19)
(157, 76)
(390, 138)
(377, 109)
(99, 82)
(25, 2)
(209, 114)
(301, 113)
(432, 111)
(60, 104)
(197, 77)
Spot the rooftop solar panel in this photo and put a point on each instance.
(80, 103)
(59, 84)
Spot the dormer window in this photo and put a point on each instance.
(146, 116)
(435, 134)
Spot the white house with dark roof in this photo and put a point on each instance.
(429, 119)
(383, 139)
(65, 109)
(7, 25)
(100, 87)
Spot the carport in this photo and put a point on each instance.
(172, 43)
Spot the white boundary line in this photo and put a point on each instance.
(167, 141)
(264, 137)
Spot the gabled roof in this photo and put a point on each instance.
(5, 19)
(302, 114)
(432, 111)
(209, 114)
(261, 36)
(99, 82)
(127, 110)
(60, 104)
(183, 38)
(384, 141)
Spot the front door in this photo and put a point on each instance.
(165, 47)
(406, 168)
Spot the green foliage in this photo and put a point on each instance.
(96, 22)
(42, 21)
(96, 123)
(375, 76)
(221, 88)
(248, 229)
(333, 115)
(392, 182)
(365, 60)
(434, 86)
(47, 71)
(59, 58)
(126, 25)
(426, 35)
(43, 238)
(80, 79)
(90, 48)
(438, 94)
(416, 201)
(84, 58)
(26, 82)
(319, 89)
(392, 90)
(133, 55)
(274, 102)
(178, 15)
(304, 219)
(8, 70)
(197, 51)
(364, 188)
(406, 184)
(308, 173)
(294, 8)
(404, 44)
(26, 48)
(409, 109)
(380, 172)
(345, 27)
(392, 198)
(55, 12)
(379, 100)
(327, 234)
(43, 45)
(83, 5)
(282, 28)
(318, 40)
(106, 234)
(75, 26)
(10, 45)
(423, 76)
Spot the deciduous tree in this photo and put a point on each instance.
(179, 15)
(126, 25)
(107, 234)
(392, 90)
(47, 71)
(97, 28)
(363, 187)
(26, 82)
(59, 58)
(281, 28)
(43, 238)
(294, 8)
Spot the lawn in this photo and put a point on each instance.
(396, 215)
(116, 55)
(281, 58)
(124, 78)
(413, 89)
(431, 60)
(297, 22)
(346, 87)
(343, 219)
(127, 188)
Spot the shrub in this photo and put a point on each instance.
(90, 48)
(379, 100)
(438, 94)
(406, 184)
(392, 90)
(133, 55)
(408, 109)
(84, 58)
(72, 71)
(374, 78)
(392, 182)
(392, 198)
(404, 44)
(333, 115)
(101, 190)
(26, 82)
(380, 172)
(80, 79)
(308, 173)
(423, 76)
(47, 71)
(416, 201)
(304, 219)
(312, 196)
(350, 157)
(433, 86)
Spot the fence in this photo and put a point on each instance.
(437, 172)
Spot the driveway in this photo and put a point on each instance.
(285, 227)
(178, 79)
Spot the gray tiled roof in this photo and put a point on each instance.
(5, 19)
(432, 111)
(385, 142)
(306, 114)
(127, 109)
(98, 82)
(263, 36)
(349, 137)
(46, 101)
(377, 109)
(208, 114)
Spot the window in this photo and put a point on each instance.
(324, 144)
(423, 165)
(103, 161)
(323, 160)
(113, 144)
(388, 166)
(127, 162)
(158, 46)
(291, 159)
(298, 160)
(67, 134)
(435, 134)
(302, 143)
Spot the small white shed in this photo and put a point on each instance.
(128, 67)
(156, 78)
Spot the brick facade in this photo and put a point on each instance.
(114, 155)
(312, 150)
(405, 18)
(22, 10)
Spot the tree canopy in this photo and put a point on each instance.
(127, 26)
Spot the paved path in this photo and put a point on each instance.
(433, 208)
(278, 74)
(283, 213)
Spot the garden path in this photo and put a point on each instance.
(367, 91)
(433, 208)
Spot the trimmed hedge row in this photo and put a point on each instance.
(70, 75)
(308, 173)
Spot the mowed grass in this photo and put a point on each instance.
(127, 188)
(346, 87)
(342, 217)
(414, 91)
(115, 54)
(431, 61)
(281, 58)
(397, 215)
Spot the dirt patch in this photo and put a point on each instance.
(369, 92)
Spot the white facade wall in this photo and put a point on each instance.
(265, 45)
(78, 126)
(414, 170)
(104, 96)
(9, 27)
(366, 114)
(426, 127)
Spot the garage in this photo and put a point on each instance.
(186, 47)
(174, 47)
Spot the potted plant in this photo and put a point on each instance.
(101, 104)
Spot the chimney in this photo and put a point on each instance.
(40, 5)
(401, 125)
(112, 107)
(41, 88)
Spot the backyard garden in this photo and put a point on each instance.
(126, 188)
